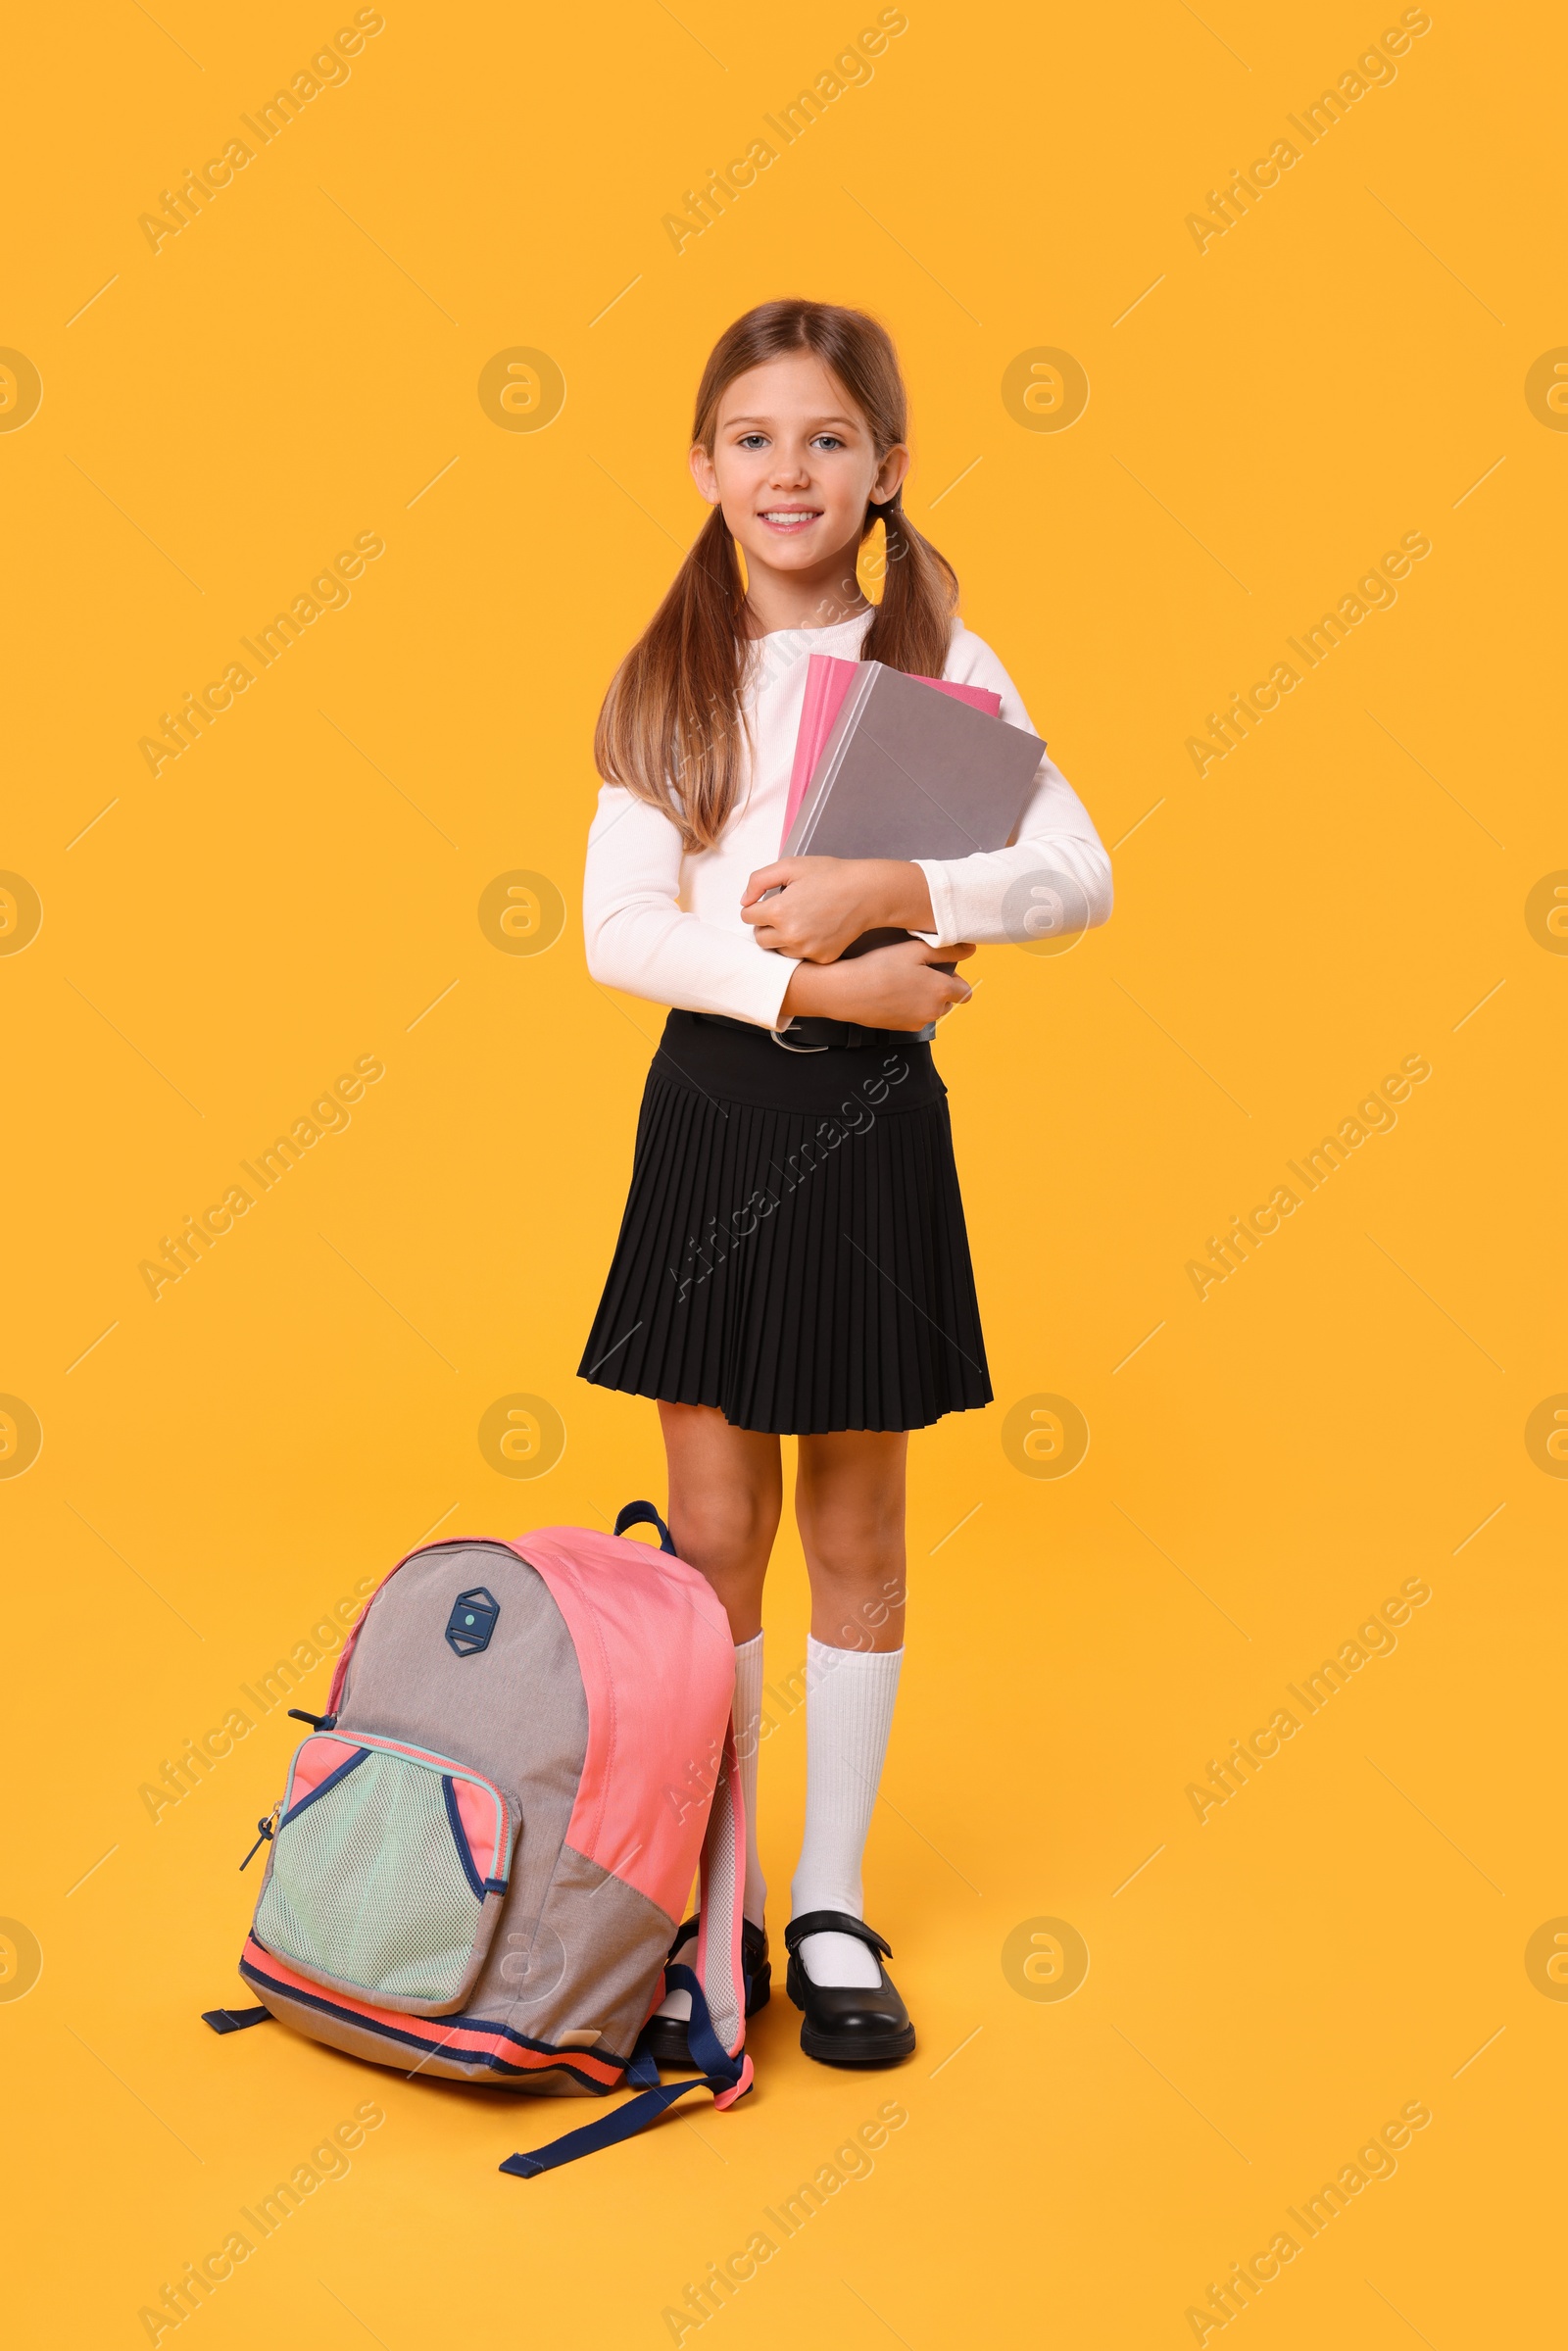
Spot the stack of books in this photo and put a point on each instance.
(888, 765)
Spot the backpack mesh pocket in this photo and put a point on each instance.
(387, 1870)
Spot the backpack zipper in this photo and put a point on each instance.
(267, 1828)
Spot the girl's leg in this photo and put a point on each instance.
(726, 1493)
(726, 1487)
(849, 1502)
(849, 1505)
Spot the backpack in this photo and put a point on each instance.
(486, 1843)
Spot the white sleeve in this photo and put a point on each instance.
(637, 936)
(997, 896)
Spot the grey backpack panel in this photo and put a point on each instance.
(408, 1683)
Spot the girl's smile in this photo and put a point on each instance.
(793, 465)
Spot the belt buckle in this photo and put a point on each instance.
(780, 1039)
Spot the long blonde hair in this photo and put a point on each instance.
(669, 730)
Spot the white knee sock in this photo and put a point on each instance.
(848, 1712)
(748, 1739)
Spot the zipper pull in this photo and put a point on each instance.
(268, 1829)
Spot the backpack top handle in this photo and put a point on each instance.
(643, 1514)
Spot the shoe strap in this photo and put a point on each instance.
(833, 1921)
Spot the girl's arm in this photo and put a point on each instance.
(986, 898)
(639, 938)
(970, 896)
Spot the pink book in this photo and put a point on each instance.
(827, 681)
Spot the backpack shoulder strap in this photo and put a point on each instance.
(717, 2032)
(723, 1882)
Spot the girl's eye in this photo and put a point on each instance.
(751, 440)
(829, 440)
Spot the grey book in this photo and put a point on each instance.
(907, 772)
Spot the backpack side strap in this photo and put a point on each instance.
(235, 2020)
(728, 2077)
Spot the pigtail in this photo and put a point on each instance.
(670, 729)
(914, 623)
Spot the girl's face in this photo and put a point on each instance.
(793, 466)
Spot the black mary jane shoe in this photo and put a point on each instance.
(665, 2036)
(846, 2024)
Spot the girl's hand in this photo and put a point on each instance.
(887, 988)
(824, 904)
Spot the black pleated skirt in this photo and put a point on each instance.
(793, 1249)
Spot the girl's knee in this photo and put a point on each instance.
(856, 1570)
(716, 1527)
(862, 1611)
(852, 1537)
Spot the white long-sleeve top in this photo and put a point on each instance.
(665, 922)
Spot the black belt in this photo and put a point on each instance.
(807, 1034)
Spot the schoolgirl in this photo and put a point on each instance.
(793, 1257)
